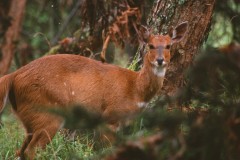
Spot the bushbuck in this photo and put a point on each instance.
(63, 80)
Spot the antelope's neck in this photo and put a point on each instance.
(149, 82)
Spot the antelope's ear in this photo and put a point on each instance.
(179, 32)
(144, 33)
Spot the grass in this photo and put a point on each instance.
(61, 148)
(11, 137)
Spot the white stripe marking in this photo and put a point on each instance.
(142, 104)
(4, 102)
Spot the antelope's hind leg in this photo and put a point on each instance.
(20, 153)
(40, 131)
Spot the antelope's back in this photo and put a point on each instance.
(69, 79)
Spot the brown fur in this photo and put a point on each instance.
(63, 80)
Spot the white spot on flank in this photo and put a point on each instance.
(160, 72)
(5, 100)
(174, 35)
(65, 84)
(73, 93)
(142, 104)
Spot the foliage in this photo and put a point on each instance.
(226, 21)
(230, 10)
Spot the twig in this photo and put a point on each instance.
(66, 22)
(115, 28)
(103, 59)
(182, 150)
(45, 37)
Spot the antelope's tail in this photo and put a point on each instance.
(5, 86)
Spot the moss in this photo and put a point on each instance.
(53, 50)
(170, 10)
(161, 22)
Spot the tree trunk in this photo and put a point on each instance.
(169, 13)
(11, 32)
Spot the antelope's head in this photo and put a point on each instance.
(159, 47)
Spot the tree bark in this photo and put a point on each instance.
(15, 12)
(169, 13)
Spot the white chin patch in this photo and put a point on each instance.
(159, 71)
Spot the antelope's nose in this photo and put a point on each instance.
(160, 61)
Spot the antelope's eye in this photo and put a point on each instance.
(168, 47)
(151, 46)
